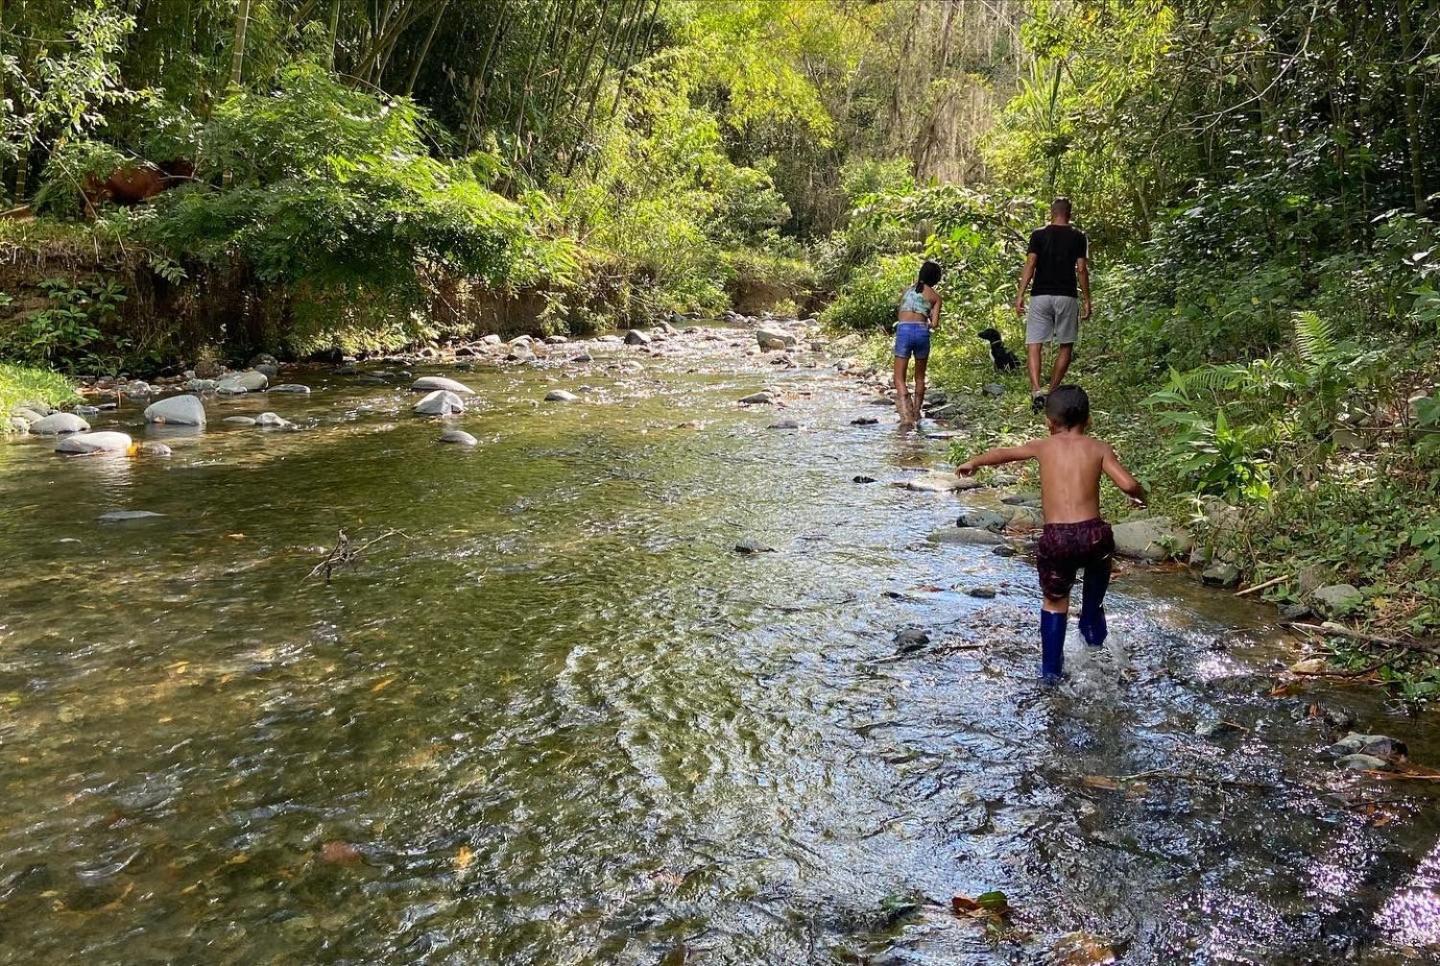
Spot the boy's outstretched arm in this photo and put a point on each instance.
(1121, 477)
(995, 457)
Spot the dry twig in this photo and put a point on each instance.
(345, 555)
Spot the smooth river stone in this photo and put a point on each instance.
(87, 443)
(459, 437)
(247, 381)
(127, 516)
(184, 410)
(272, 421)
(441, 402)
(240, 420)
(560, 395)
(291, 387)
(940, 481)
(431, 383)
(57, 423)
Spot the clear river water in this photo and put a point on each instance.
(556, 718)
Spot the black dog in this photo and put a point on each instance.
(1004, 359)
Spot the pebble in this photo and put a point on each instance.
(983, 592)
(757, 398)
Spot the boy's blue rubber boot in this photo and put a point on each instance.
(1052, 645)
(1092, 605)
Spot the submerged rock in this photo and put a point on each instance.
(432, 383)
(784, 424)
(239, 420)
(864, 421)
(863, 479)
(291, 387)
(940, 481)
(985, 519)
(155, 449)
(1221, 574)
(637, 337)
(128, 516)
(911, 640)
(459, 437)
(57, 424)
(984, 592)
(184, 410)
(272, 421)
(560, 395)
(757, 398)
(972, 535)
(83, 444)
(752, 545)
(1359, 762)
(441, 402)
(1378, 746)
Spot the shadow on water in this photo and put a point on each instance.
(558, 719)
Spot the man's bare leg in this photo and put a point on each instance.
(1034, 350)
(1062, 366)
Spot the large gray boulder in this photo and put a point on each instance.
(431, 383)
(637, 337)
(57, 424)
(1152, 538)
(184, 410)
(84, 444)
(1337, 600)
(770, 338)
(441, 402)
(238, 382)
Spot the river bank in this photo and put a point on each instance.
(558, 716)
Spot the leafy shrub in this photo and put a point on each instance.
(869, 299)
(68, 332)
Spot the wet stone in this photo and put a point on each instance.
(966, 535)
(1378, 746)
(561, 396)
(983, 592)
(757, 398)
(785, 424)
(863, 479)
(58, 423)
(864, 421)
(129, 516)
(81, 444)
(1003, 550)
(637, 337)
(1362, 763)
(993, 520)
(911, 640)
(752, 545)
(459, 437)
(432, 383)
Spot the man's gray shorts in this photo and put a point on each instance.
(1052, 318)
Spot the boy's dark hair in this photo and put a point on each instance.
(1068, 407)
(929, 275)
(1060, 206)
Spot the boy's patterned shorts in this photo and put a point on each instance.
(1065, 548)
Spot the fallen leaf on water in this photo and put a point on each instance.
(463, 858)
(239, 858)
(1308, 666)
(339, 853)
(1101, 781)
(987, 905)
(382, 685)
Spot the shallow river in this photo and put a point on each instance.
(558, 719)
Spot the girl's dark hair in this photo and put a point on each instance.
(929, 275)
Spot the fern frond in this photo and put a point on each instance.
(1314, 337)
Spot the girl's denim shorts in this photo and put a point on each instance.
(912, 339)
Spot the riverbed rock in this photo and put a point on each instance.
(1336, 600)
(491, 339)
(940, 481)
(984, 592)
(18, 426)
(1362, 763)
(57, 424)
(459, 437)
(911, 640)
(752, 545)
(864, 421)
(432, 383)
(993, 389)
(186, 410)
(1021, 498)
(785, 424)
(1221, 574)
(293, 388)
(1083, 949)
(637, 337)
(1003, 550)
(771, 338)
(270, 372)
(272, 421)
(129, 516)
(29, 414)
(441, 402)
(1378, 746)
(984, 519)
(240, 382)
(84, 444)
(757, 398)
(1027, 517)
(263, 359)
(153, 448)
(202, 385)
(966, 535)
(863, 479)
(1150, 538)
(561, 396)
(582, 356)
(239, 420)
(1295, 611)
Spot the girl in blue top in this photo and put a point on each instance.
(919, 316)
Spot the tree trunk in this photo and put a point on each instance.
(237, 53)
(610, 45)
(334, 34)
(425, 48)
(1411, 96)
(482, 83)
(630, 58)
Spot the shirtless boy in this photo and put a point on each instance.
(1075, 537)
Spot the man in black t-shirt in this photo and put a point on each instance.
(1057, 261)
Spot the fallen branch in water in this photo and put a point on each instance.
(344, 554)
(1339, 630)
(1257, 587)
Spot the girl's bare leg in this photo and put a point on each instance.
(919, 387)
(902, 398)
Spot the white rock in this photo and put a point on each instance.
(291, 387)
(492, 339)
(184, 410)
(247, 381)
(441, 402)
(58, 423)
(272, 421)
(432, 383)
(86, 443)
(560, 395)
(459, 437)
(939, 481)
